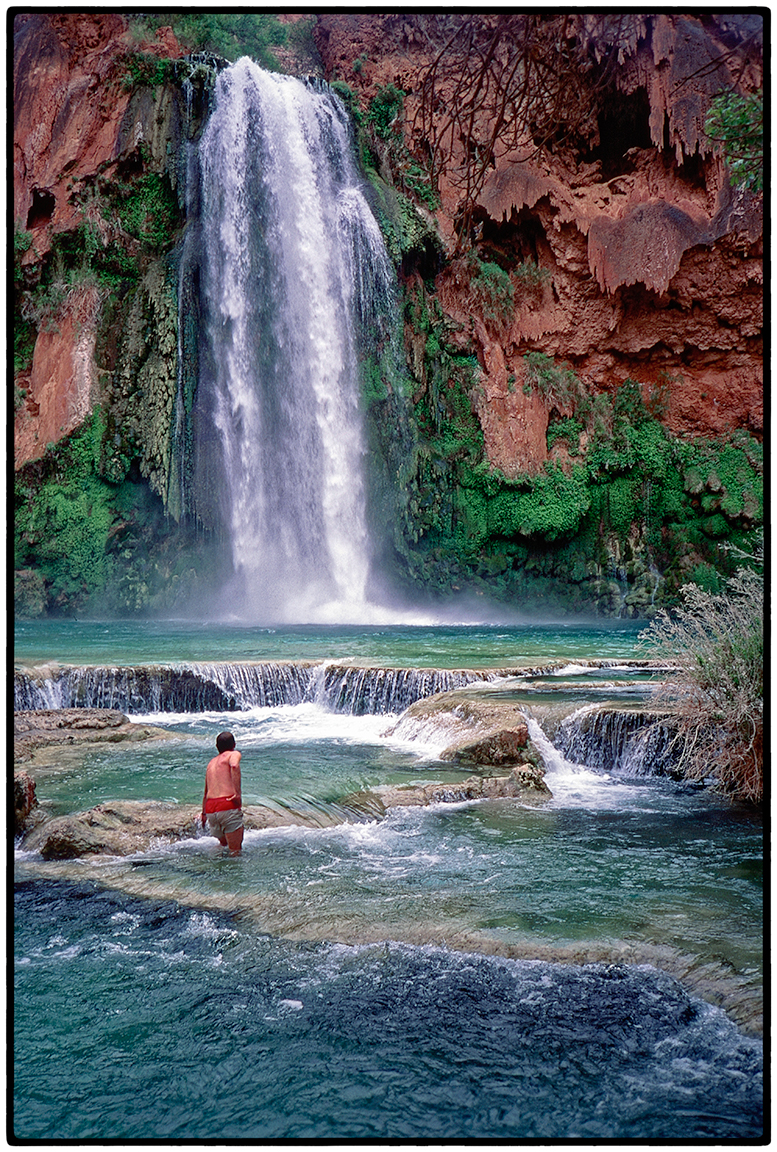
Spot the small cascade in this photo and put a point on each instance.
(629, 742)
(556, 763)
(131, 690)
(571, 784)
(258, 685)
(228, 687)
(379, 691)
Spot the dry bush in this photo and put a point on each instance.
(715, 641)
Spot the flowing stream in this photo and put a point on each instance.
(584, 967)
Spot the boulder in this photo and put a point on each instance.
(119, 829)
(469, 728)
(505, 746)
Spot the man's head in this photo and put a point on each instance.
(225, 742)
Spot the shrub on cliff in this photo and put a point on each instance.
(715, 641)
(737, 122)
(230, 34)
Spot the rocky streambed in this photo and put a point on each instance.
(486, 737)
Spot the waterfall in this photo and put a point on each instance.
(632, 743)
(292, 267)
(230, 687)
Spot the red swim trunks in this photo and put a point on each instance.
(220, 804)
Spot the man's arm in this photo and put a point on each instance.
(234, 767)
(204, 798)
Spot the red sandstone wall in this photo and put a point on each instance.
(69, 103)
(654, 275)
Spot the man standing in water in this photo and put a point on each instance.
(222, 802)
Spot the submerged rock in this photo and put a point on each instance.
(123, 827)
(525, 780)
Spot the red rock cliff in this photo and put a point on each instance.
(70, 103)
(651, 264)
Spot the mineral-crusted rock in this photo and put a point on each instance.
(525, 781)
(506, 746)
(124, 827)
(652, 262)
(450, 720)
(42, 728)
(69, 107)
(121, 828)
(74, 120)
(24, 801)
(60, 382)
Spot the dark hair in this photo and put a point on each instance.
(225, 742)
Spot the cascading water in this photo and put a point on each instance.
(230, 687)
(292, 263)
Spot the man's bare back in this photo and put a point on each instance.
(222, 801)
(220, 777)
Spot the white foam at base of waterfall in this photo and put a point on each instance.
(574, 785)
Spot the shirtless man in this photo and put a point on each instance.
(222, 802)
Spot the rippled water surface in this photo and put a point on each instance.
(326, 1041)
(586, 967)
(453, 646)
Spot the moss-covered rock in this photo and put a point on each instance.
(614, 530)
(145, 382)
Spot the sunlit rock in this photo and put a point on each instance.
(507, 746)
(41, 728)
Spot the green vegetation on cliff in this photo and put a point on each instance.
(62, 516)
(24, 328)
(229, 34)
(86, 542)
(398, 184)
(93, 517)
(594, 532)
(736, 121)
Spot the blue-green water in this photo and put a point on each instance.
(193, 1027)
(486, 970)
(412, 646)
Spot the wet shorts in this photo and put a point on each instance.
(222, 822)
